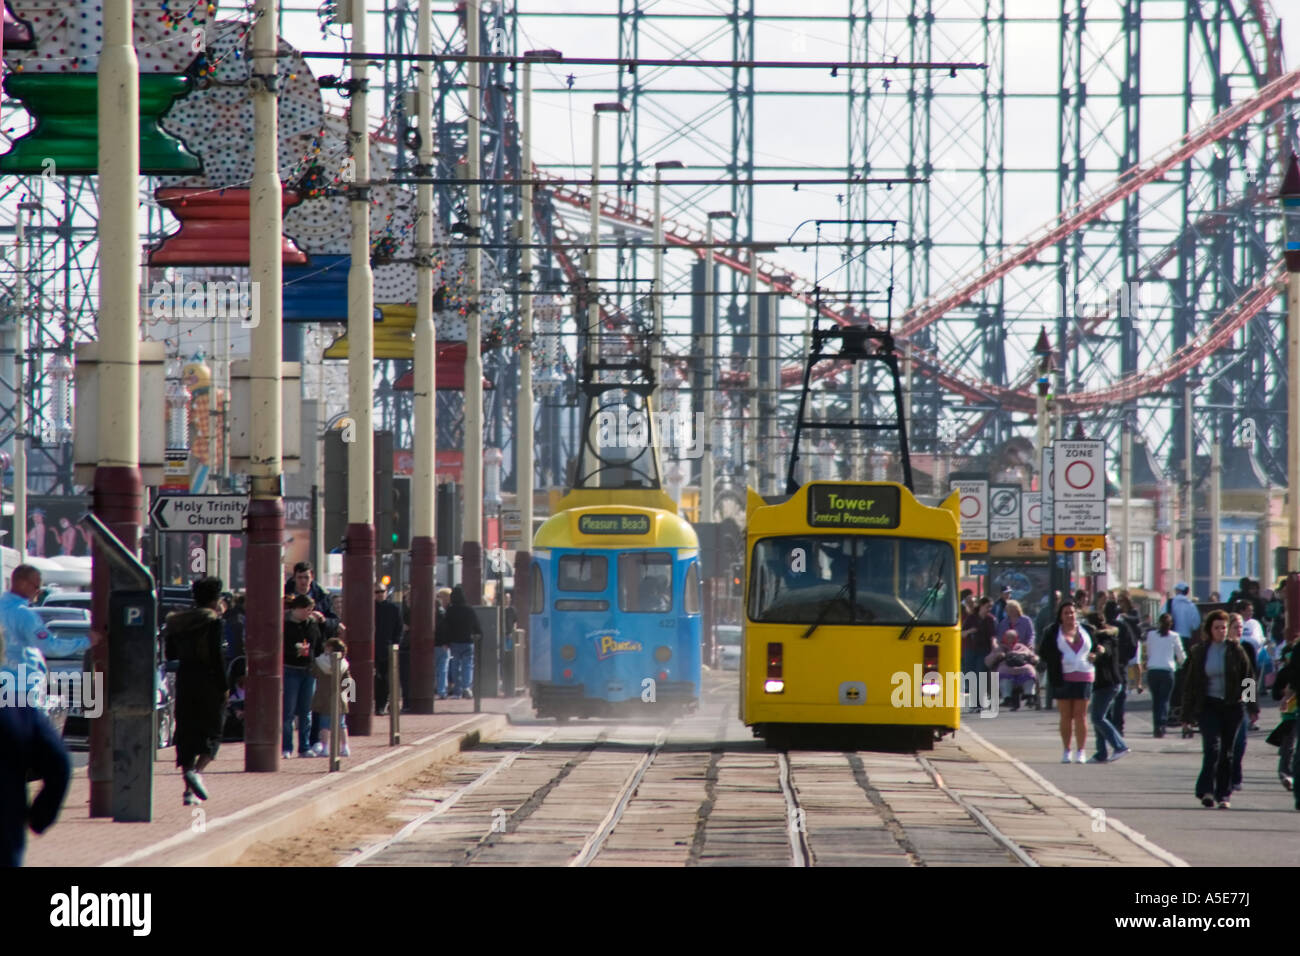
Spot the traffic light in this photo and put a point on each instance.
(401, 513)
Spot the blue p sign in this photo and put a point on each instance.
(134, 616)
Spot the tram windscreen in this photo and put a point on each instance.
(852, 579)
(582, 572)
(645, 582)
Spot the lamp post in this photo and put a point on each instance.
(20, 381)
(657, 335)
(472, 515)
(1190, 384)
(1290, 196)
(526, 434)
(423, 538)
(593, 263)
(710, 355)
(264, 562)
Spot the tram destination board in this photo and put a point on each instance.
(853, 506)
(207, 514)
(614, 524)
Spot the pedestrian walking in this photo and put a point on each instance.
(1236, 628)
(1108, 677)
(388, 631)
(1161, 655)
(30, 749)
(462, 627)
(194, 639)
(1285, 733)
(1066, 648)
(302, 642)
(442, 643)
(1126, 648)
(977, 642)
(1216, 669)
(1187, 619)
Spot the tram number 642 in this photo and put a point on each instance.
(929, 637)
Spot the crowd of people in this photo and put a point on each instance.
(1089, 653)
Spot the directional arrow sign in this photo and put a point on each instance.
(206, 514)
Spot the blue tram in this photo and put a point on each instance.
(615, 624)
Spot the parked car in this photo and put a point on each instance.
(61, 612)
(67, 655)
(727, 637)
(56, 598)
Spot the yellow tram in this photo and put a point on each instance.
(851, 613)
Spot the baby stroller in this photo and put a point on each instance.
(234, 726)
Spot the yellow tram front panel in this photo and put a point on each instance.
(814, 655)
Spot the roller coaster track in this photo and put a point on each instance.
(1018, 397)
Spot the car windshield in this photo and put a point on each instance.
(852, 579)
(728, 635)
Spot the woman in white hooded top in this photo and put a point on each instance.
(1066, 649)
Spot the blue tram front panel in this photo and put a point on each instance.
(614, 627)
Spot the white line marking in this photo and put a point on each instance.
(189, 834)
(598, 838)
(445, 805)
(1124, 829)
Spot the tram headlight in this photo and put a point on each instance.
(774, 687)
(568, 652)
(663, 654)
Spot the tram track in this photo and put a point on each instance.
(597, 840)
(796, 826)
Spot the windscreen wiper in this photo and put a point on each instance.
(851, 587)
(929, 598)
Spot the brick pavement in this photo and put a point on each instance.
(245, 808)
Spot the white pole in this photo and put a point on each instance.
(1293, 419)
(359, 561)
(472, 553)
(1189, 512)
(423, 531)
(657, 334)
(20, 392)
(593, 270)
(750, 425)
(710, 343)
(1216, 556)
(1126, 492)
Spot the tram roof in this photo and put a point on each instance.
(663, 527)
(791, 515)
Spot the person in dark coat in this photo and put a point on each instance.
(30, 748)
(388, 631)
(441, 642)
(461, 625)
(1216, 670)
(195, 639)
(303, 641)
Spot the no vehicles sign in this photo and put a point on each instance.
(974, 505)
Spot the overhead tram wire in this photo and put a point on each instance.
(543, 183)
(631, 63)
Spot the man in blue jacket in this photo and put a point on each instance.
(1186, 617)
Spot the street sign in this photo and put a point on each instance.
(1031, 514)
(205, 514)
(1079, 494)
(978, 568)
(511, 525)
(974, 504)
(1004, 512)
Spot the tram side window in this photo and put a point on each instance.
(582, 572)
(645, 582)
(538, 589)
(691, 597)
